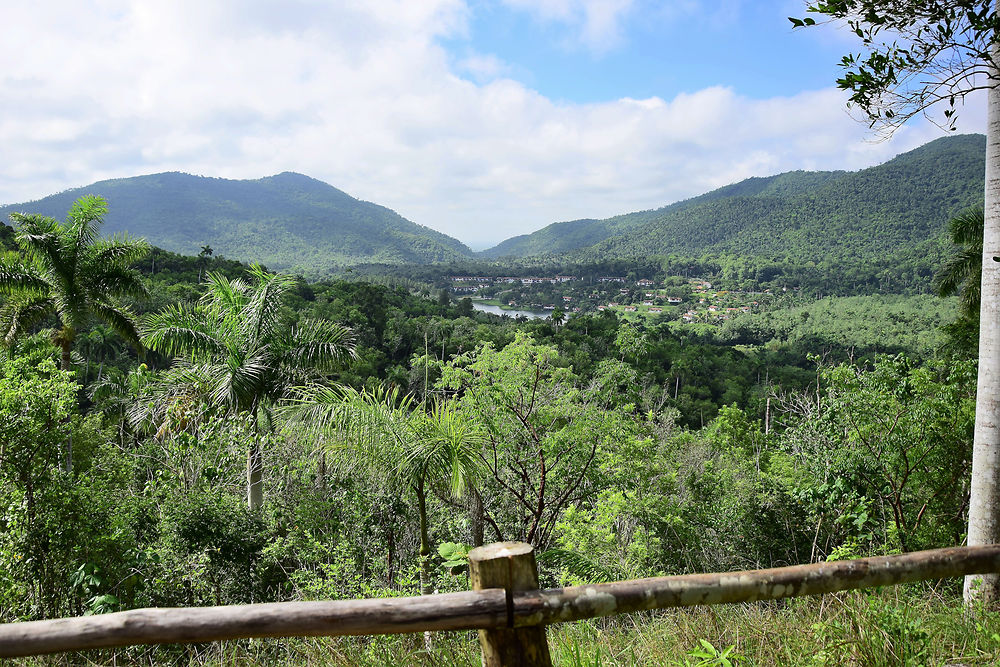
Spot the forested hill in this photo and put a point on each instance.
(797, 217)
(288, 221)
(561, 237)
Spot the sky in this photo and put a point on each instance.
(483, 119)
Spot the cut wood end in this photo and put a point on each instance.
(500, 550)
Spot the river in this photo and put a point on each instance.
(497, 310)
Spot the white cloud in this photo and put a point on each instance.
(361, 95)
(597, 23)
(483, 68)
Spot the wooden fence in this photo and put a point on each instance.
(506, 605)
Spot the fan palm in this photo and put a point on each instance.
(65, 269)
(961, 273)
(236, 347)
(385, 430)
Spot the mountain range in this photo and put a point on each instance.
(297, 223)
(287, 221)
(800, 216)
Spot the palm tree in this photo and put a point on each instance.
(117, 394)
(387, 431)
(961, 274)
(236, 347)
(66, 270)
(206, 252)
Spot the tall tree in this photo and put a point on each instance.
(65, 269)
(206, 252)
(238, 345)
(918, 54)
(548, 441)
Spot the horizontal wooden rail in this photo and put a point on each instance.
(483, 609)
(579, 602)
(449, 611)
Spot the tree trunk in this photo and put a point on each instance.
(426, 587)
(984, 501)
(255, 476)
(65, 345)
(69, 454)
(478, 522)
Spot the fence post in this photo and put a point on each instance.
(511, 566)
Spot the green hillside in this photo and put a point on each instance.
(287, 221)
(819, 217)
(563, 237)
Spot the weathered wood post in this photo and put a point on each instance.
(510, 566)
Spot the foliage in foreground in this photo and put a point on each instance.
(872, 461)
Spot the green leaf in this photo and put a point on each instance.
(454, 553)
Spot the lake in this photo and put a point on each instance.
(497, 310)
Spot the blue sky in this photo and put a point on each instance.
(483, 119)
(655, 49)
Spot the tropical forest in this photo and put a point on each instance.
(221, 392)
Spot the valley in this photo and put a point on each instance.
(352, 427)
(575, 333)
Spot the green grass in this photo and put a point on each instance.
(903, 626)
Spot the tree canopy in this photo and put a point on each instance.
(65, 269)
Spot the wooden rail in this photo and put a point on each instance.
(494, 610)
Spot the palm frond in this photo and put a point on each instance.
(242, 384)
(448, 444)
(373, 423)
(113, 386)
(71, 305)
(119, 251)
(223, 293)
(966, 228)
(258, 318)
(20, 313)
(115, 282)
(962, 272)
(38, 235)
(181, 382)
(318, 408)
(960, 269)
(119, 318)
(18, 276)
(182, 330)
(319, 344)
(84, 220)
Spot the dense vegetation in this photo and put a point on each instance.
(813, 429)
(288, 220)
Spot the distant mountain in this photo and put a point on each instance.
(795, 216)
(288, 221)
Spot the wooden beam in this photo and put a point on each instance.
(450, 611)
(511, 566)
(579, 602)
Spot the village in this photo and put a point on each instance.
(673, 298)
